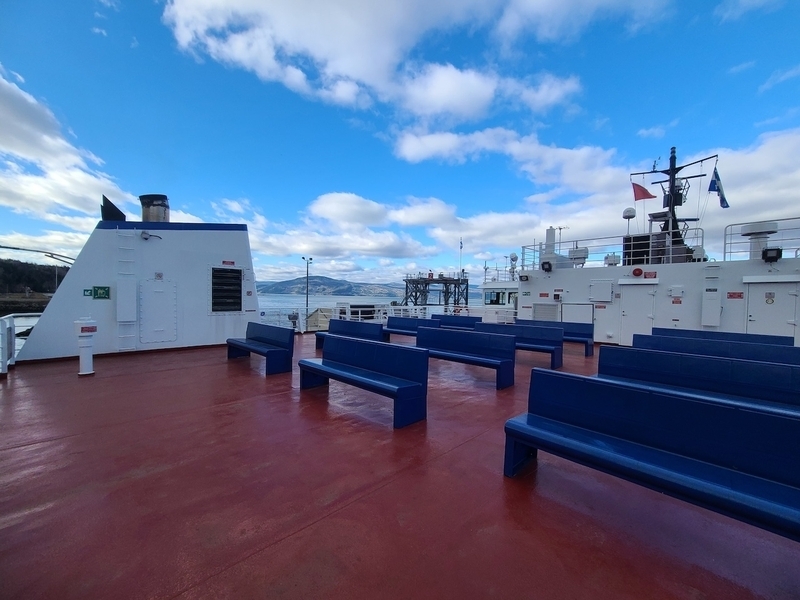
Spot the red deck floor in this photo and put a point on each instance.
(183, 474)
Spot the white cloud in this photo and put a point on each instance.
(555, 20)
(41, 173)
(548, 92)
(651, 132)
(357, 52)
(99, 31)
(730, 10)
(348, 211)
(426, 212)
(418, 146)
(779, 77)
(742, 67)
(439, 89)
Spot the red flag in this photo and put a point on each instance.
(640, 192)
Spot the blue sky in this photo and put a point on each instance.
(374, 136)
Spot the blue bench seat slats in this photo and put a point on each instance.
(535, 339)
(457, 321)
(725, 336)
(356, 329)
(762, 381)
(399, 372)
(276, 344)
(363, 378)
(775, 353)
(764, 503)
(408, 325)
(582, 333)
(471, 347)
(732, 457)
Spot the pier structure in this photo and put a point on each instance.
(437, 289)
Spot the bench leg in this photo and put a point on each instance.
(318, 342)
(309, 379)
(557, 358)
(278, 364)
(410, 410)
(518, 455)
(505, 375)
(236, 352)
(589, 348)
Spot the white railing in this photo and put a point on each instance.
(644, 248)
(10, 344)
(747, 240)
(318, 318)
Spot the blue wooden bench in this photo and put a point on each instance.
(725, 336)
(473, 348)
(276, 344)
(745, 380)
(356, 329)
(408, 325)
(535, 339)
(398, 372)
(736, 460)
(789, 355)
(464, 322)
(582, 333)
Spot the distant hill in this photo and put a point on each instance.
(21, 277)
(319, 285)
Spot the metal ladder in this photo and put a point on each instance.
(126, 330)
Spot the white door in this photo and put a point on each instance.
(772, 308)
(158, 311)
(636, 311)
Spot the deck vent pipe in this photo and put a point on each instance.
(155, 207)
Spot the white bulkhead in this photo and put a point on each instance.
(151, 285)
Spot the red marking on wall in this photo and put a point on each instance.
(544, 294)
(677, 301)
(735, 295)
(229, 262)
(650, 274)
(89, 329)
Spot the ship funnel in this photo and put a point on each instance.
(155, 207)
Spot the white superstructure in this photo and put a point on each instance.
(151, 285)
(631, 284)
(664, 278)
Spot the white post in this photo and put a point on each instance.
(6, 345)
(85, 329)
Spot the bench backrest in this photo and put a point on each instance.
(283, 337)
(410, 323)
(528, 334)
(762, 442)
(746, 378)
(582, 330)
(725, 336)
(358, 329)
(404, 362)
(457, 320)
(786, 355)
(490, 345)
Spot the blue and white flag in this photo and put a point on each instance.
(716, 186)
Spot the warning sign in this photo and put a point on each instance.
(544, 294)
(735, 295)
(650, 274)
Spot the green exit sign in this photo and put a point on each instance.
(100, 292)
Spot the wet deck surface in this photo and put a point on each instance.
(183, 474)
